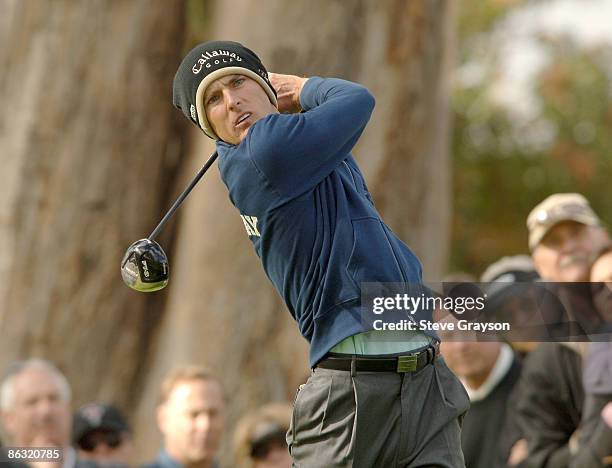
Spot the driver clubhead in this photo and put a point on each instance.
(144, 266)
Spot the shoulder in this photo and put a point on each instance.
(265, 134)
(546, 352)
(550, 362)
(270, 130)
(237, 163)
(274, 136)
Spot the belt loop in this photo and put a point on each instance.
(353, 365)
(432, 351)
(431, 354)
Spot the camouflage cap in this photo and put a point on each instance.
(556, 209)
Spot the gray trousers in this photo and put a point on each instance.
(379, 419)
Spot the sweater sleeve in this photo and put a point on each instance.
(295, 152)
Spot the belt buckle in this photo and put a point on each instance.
(407, 363)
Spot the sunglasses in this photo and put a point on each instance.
(91, 441)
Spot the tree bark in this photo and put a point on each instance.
(222, 310)
(87, 141)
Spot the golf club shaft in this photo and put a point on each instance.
(182, 196)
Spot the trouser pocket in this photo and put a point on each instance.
(323, 418)
(290, 433)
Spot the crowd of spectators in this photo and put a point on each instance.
(544, 401)
(35, 403)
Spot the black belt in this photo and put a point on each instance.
(411, 362)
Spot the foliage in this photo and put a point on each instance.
(504, 165)
(476, 17)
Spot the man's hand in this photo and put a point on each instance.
(288, 89)
(518, 453)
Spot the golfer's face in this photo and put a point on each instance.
(233, 103)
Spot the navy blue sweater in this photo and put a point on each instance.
(309, 215)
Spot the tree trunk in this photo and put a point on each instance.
(86, 146)
(222, 310)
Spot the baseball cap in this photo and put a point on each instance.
(265, 435)
(506, 272)
(555, 209)
(511, 269)
(206, 63)
(97, 417)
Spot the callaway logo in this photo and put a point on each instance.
(250, 224)
(215, 57)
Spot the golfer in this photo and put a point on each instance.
(284, 145)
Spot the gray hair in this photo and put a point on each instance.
(7, 393)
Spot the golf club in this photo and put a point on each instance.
(144, 266)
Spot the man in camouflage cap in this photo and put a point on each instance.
(564, 234)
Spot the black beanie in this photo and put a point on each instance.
(206, 63)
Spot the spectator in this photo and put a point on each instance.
(190, 416)
(601, 276)
(510, 286)
(595, 441)
(260, 438)
(35, 409)
(488, 371)
(595, 435)
(564, 232)
(101, 434)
